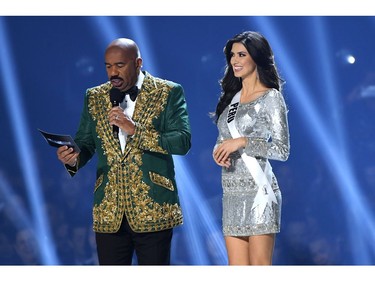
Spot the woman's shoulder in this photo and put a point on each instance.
(274, 97)
(273, 93)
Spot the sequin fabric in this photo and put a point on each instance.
(264, 122)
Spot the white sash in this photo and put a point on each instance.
(265, 194)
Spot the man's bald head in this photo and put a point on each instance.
(127, 45)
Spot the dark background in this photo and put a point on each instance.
(47, 63)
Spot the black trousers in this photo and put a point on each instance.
(151, 248)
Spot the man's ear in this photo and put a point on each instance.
(138, 62)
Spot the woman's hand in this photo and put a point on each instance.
(223, 150)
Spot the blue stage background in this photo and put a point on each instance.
(47, 63)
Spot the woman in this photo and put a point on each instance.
(251, 117)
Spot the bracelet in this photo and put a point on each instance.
(246, 142)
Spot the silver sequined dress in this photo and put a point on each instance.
(264, 122)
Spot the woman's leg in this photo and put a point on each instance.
(237, 250)
(261, 249)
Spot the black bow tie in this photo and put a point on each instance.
(132, 92)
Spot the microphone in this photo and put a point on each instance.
(116, 97)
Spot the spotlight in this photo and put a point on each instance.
(350, 59)
(345, 57)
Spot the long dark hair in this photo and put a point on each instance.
(261, 53)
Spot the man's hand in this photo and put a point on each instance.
(67, 155)
(118, 118)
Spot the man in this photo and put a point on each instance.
(136, 203)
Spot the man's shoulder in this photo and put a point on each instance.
(161, 82)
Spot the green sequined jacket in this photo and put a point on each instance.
(139, 183)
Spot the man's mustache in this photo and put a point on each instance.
(116, 77)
